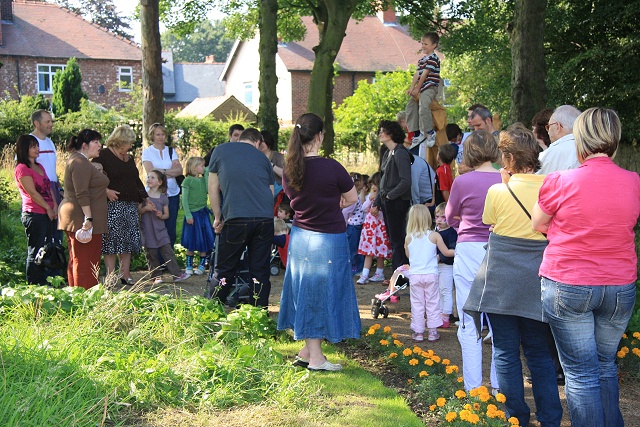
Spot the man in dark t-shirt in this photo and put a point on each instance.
(243, 176)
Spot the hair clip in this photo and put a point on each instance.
(298, 126)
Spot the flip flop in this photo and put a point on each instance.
(326, 366)
(300, 362)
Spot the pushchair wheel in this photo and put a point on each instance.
(384, 310)
(274, 269)
(375, 308)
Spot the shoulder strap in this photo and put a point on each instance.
(171, 153)
(518, 200)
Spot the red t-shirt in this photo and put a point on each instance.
(445, 177)
(42, 184)
(594, 209)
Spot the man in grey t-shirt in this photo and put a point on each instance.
(243, 176)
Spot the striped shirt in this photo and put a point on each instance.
(431, 64)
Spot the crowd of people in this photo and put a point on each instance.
(521, 228)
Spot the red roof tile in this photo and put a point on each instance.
(369, 45)
(47, 30)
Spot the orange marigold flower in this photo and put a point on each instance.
(410, 381)
(451, 369)
(484, 397)
(460, 379)
(450, 416)
(476, 406)
(624, 336)
(394, 336)
(384, 342)
(636, 351)
(467, 406)
(441, 401)
(428, 362)
(474, 392)
(446, 362)
(376, 326)
(393, 355)
(491, 407)
(460, 394)
(636, 335)
(501, 398)
(432, 408)
(464, 415)
(435, 358)
(513, 421)
(407, 352)
(397, 343)
(371, 331)
(424, 374)
(417, 350)
(413, 362)
(386, 329)
(473, 418)
(621, 354)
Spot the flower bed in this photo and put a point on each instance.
(438, 383)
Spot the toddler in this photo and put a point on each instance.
(155, 237)
(197, 232)
(354, 215)
(374, 242)
(420, 246)
(445, 264)
(444, 176)
(281, 238)
(285, 212)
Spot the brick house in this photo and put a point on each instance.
(376, 43)
(37, 39)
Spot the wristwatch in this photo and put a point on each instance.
(88, 218)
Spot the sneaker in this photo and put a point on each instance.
(417, 140)
(158, 281)
(489, 338)
(199, 271)
(383, 295)
(445, 323)
(180, 278)
(457, 323)
(431, 138)
(376, 278)
(394, 299)
(363, 280)
(495, 391)
(433, 336)
(189, 270)
(416, 337)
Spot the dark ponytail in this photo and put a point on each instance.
(84, 137)
(304, 132)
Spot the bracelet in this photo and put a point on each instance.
(88, 218)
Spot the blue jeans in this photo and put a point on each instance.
(587, 323)
(36, 227)
(353, 236)
(509, 333)
(255, 234)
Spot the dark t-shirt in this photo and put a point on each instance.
(450, 237)
(317, 205)
(244, 174)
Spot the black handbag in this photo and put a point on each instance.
(52, 255)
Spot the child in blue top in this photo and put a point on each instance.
(197, 232)
(445, 264)
(155, 237)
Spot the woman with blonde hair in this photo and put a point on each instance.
(318, 296)
(590, 266)
(126, 191)
(164, 158)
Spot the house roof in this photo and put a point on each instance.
(218, 107)
(369, 45)
(47, 30)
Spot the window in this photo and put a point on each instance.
(45, 76)
(125, 79)
(248, 93)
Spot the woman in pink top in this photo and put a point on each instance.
(39, 209)
(590, 266)
(464, 213)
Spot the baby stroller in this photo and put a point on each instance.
(241, 291)
(378, 306)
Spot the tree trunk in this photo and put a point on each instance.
(528, 89)
(152, 91)
(331, 18)
(268, 111)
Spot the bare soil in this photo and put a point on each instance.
(399, 320)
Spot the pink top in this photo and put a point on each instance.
(43, 187)
(594, 210)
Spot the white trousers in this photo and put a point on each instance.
(469, 256)
(445, 281)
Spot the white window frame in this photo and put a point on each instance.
(248, 93)
(125, 72)
(48, 75)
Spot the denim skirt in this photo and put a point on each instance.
(318, 296)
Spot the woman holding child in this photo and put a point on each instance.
(318, 296)
(513, 305)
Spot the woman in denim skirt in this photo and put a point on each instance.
(590, 266)
(318, 297)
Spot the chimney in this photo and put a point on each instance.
(388, 17)
(209, 59)
(6, 10)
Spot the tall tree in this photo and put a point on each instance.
(101, 12)
(67, 89)
(528, 68)
(206, 39)
(152, 94)
(268, 46)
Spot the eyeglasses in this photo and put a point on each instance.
(547, 126)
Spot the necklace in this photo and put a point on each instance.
(122, 157)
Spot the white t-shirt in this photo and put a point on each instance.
(560, 156)
(152, 154)
(48, 157)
